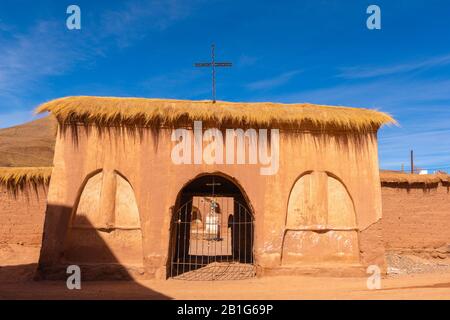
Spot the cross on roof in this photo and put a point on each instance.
(213, 64)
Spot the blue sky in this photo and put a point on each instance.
(287, 51)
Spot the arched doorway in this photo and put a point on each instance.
(211, 231)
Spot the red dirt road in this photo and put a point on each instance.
(424, 286)
(16, 272)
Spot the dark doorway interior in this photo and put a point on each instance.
(211, 232)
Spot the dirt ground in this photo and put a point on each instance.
(410, 278)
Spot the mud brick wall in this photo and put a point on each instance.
(22, 217)
(417, 219)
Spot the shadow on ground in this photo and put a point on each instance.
(102, 274)
(16, 282)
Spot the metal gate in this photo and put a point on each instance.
(212, 239)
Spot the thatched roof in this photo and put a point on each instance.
(399, 178)
(17, 179)
(107, 111)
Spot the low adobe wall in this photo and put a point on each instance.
(416, 214)
(416, 217)
(22, 217)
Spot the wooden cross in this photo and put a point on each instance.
(213, 64)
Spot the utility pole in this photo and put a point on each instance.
(412, 161)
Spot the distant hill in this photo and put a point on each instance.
(28, 145)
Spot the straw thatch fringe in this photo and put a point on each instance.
(137, 112)
(398, 178)
(20, 179)
(23, 179)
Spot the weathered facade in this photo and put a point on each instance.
(115, 196)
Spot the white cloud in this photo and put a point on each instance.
(246, 61)
(49, 49)
(182, 84)
(420, 106)
(395, 148)
(30, 58)
(360, 72)
(396, 96)
(273, 82)
(137, 18)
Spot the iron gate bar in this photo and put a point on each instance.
(203, 249)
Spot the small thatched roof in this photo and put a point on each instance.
(106, 111)
(17, 179)
(399, 178)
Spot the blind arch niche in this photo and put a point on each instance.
(321, 222)
(106, 225)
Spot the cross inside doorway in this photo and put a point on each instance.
(213, 64)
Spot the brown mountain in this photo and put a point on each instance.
(28, 145)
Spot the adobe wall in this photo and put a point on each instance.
(417, 219)
(144, 159)
(22, 217)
